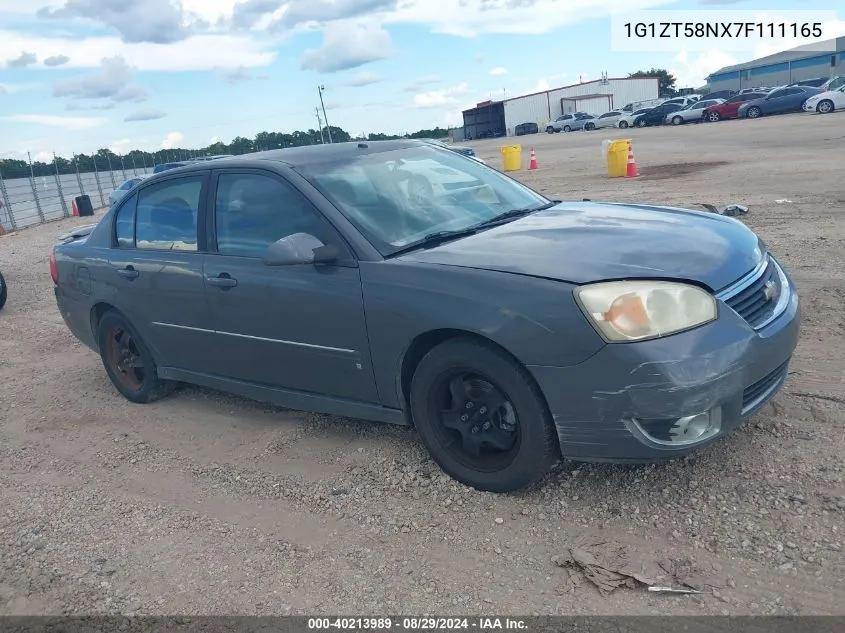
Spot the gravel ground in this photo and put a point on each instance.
(209, 504)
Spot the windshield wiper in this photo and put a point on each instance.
(438, 237)
(513, 214)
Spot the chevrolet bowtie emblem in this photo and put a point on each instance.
(770, 291)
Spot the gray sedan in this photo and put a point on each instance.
(509, 329)
(693, 112)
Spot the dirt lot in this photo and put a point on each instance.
(204, 503)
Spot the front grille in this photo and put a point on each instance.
(763, 387)
(752, 302)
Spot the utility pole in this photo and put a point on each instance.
(320, 90)
(320, 125)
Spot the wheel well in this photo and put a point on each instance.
(426, 342)
(97, 313)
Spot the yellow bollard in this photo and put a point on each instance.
(617, 158)
(512, 157)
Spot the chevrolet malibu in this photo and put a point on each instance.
(509, 329)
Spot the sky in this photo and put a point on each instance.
(78, 75)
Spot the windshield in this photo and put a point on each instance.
(398, 197)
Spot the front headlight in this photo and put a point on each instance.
(640, 310)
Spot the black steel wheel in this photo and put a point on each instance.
(4, 291)
(482, 418)
(128, 361)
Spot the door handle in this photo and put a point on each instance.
(223, 280)
(128, 273)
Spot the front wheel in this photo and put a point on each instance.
(713, 116)
(4, 291)
(623, 125)
(482, 418)
(128, 361)
(753, 113)
(677, 120)
(825, 107)
(566, 128)
(590, 126)
(640, 123)
(550, 130)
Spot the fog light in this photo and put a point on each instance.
(689, 429)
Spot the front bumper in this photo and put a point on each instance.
(807, 107)
(606, 408)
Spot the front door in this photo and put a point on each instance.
(295, 327)
(155, 273)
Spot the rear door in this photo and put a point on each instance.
(156, 269)
(293, 327)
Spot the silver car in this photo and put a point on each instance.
(608, 119)
(692, 112)
(121, 191)
(571, 122)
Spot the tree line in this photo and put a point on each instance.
(107, 160)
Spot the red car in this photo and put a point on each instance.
(728, 109)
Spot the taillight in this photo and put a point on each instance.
(54, 269)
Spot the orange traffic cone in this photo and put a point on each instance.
(75, 207)
(532, 164)
(631, 171)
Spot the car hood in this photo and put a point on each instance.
(582, 242)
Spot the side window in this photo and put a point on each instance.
(124, 223)
(252, 211)
(167, 215)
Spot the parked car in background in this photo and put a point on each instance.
(466, 150)
(627, 120)
(630, 108)
(165, 166)
(728, 108)
(121, 191)
(524, 129)
(608, 119)
(780, 101)
(816, 82)
(826, 102)
(681, 101)
(570, 122)
(693, 113)
(834, 83)
(507, 328)
(657, 116)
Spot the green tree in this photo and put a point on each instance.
(666, 80)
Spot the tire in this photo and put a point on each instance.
(4, 291)
(590, 126)
(623, 125)
(566, 128)
(459, 376)
(677, 120)
(825, 107)
(639, 123)
(753, 113)
(140, 385)
(713, 117)
(550, 130)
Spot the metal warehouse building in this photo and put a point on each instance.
(796, 64)
(494, 118)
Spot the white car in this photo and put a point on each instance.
(826, 102)
(608, 119)
(627, 120)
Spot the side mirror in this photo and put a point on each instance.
(298, 249)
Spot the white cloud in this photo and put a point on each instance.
(122, 146)
(11, 89)
(347, 45)
(364, 78)
(66, 122)
(173, 139)
(542, 84)
(436, 98)
(469, 18)
(214, 139)
(201, 52)
(498, 71)
(691, 72)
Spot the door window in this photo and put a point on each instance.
(167, 215)
(124, 223)
(252, 211)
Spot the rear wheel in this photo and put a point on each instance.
(482, 418)
(677, 120)
(639, 123)
(713, 116)
(825, 107)
(550, 130)
(753, 113)
(128, 361)
(623, 125)
(590, 126)
(566, 128)
(4, 291)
